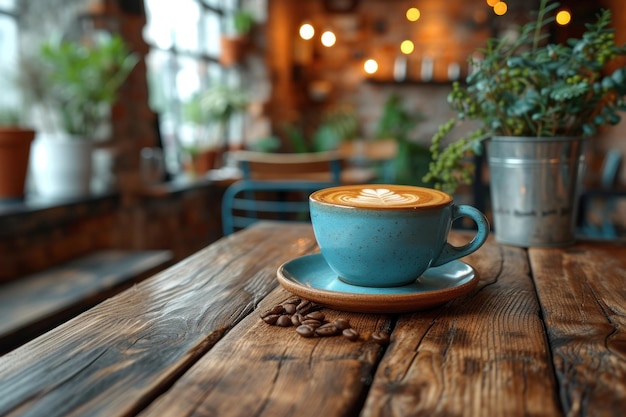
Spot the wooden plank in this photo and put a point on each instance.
(582, 291)
(117, 357)
(484, 354)
(33, 304)
(262, 370)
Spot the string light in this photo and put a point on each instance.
(563, 17)
(370, 66)
(406, 47)
(307, 31)
(413, 14)
(328, 39)
(500, 8)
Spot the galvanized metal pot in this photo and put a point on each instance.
(535, 184)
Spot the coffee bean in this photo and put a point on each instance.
(311, 322)
(342, 324)
(296, 319)
(305, 331)
(328, 329)
(284, 321)
(315, 315)
(271, 318)
(278, 309)
(381, 338)
(289, 308)
(350, 334)
(303, 304)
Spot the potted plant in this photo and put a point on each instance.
(78, 85)
(15, 143)
(236, 39)
(534, 102)
(207, 116)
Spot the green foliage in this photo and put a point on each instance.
(84, 79)
(243, 21)
(10, 117)
(532, 88)
(396, 122)
(337, 125)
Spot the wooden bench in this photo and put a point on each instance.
(36, 303)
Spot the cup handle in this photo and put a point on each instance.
(449, 252)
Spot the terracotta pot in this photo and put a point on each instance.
(14, 156)
(233, 50)
(201, 163)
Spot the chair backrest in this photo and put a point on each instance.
(313, 166)
(610, 168)
(277, 186)
(382, 153)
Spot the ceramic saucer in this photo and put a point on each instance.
(310, 277)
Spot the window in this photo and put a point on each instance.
(10, 97)
(184, 37)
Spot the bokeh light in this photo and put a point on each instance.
(563, 17)
(406, 47)
(413, 14)
(307, 31)
(328, 38)
(500, 8)
(370, 66)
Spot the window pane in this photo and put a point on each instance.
(173, 24)
(211, 22)
(8, 5)
(8, 62)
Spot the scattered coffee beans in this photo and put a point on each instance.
(308, 320)
(381, 338)
(350, 334)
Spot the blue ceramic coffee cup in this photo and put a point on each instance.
(378, 235)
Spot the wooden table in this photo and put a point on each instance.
(543, 334)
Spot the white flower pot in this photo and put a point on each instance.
(61, 166)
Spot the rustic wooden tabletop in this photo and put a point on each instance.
(542, 334)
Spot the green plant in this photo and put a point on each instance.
(10, 117)
(337, 124)
(528, 87)
(83, 80)
(208, 113)
(243, 21)
(397, 122)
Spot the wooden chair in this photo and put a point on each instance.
(378, 154)
(277, 186)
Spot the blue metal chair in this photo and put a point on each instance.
(277, 187)
(600, 201)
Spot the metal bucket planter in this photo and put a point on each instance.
(535, 185)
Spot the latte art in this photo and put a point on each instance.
(380, 197)
(383, 196)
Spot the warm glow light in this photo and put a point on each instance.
(406, 47)
(306, 31)
(413, 14)
(500, 8)
(328, 38)
(563, 17)
(370, 66)
(492, 3)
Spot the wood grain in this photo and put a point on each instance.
(117, 357)
(480, 355)
(582, 290)
(36, 303)
(262, 370)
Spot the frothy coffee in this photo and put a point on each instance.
(382, 196)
